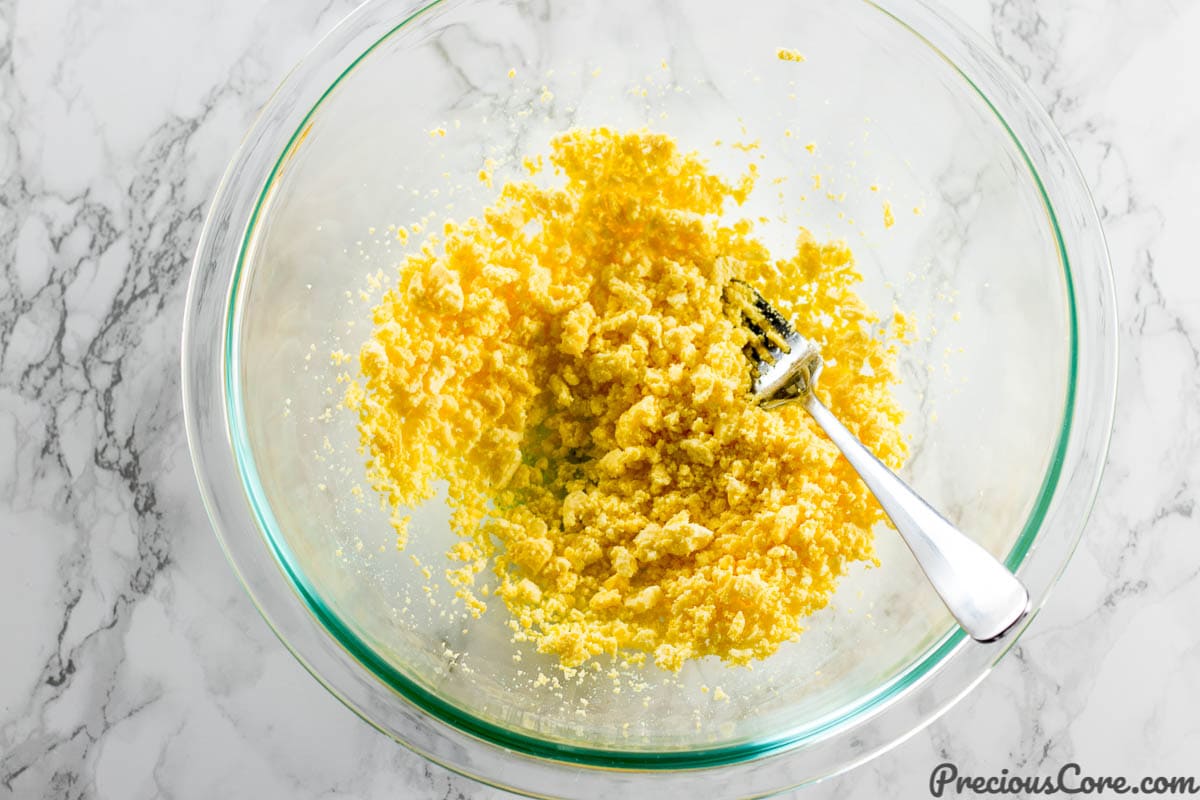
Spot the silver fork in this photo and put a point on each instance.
(987, 600)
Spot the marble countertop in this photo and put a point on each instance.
(134, 666)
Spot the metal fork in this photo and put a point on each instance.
(987, 600)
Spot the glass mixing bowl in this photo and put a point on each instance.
(996, 252)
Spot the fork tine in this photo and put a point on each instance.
(764, 321)
(785, 364)
(777, 320)
(759, 366)
(760, 342)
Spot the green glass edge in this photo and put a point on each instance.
(473, 726)
(1042, 502)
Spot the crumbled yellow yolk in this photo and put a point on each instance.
(566, 364)
(784, 54)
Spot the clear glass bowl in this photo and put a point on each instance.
(996, 251)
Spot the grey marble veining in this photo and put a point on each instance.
(132, 664)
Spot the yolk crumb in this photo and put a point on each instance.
(784, 54)
(566, 364)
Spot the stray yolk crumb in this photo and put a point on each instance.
(889, 219)
(784, 54)
(566, 364)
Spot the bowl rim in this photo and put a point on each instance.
(434, 709)
(463, 719)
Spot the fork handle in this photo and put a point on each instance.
(987, 600)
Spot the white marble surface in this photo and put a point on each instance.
(132, 665)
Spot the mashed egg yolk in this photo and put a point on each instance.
(566, 365)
